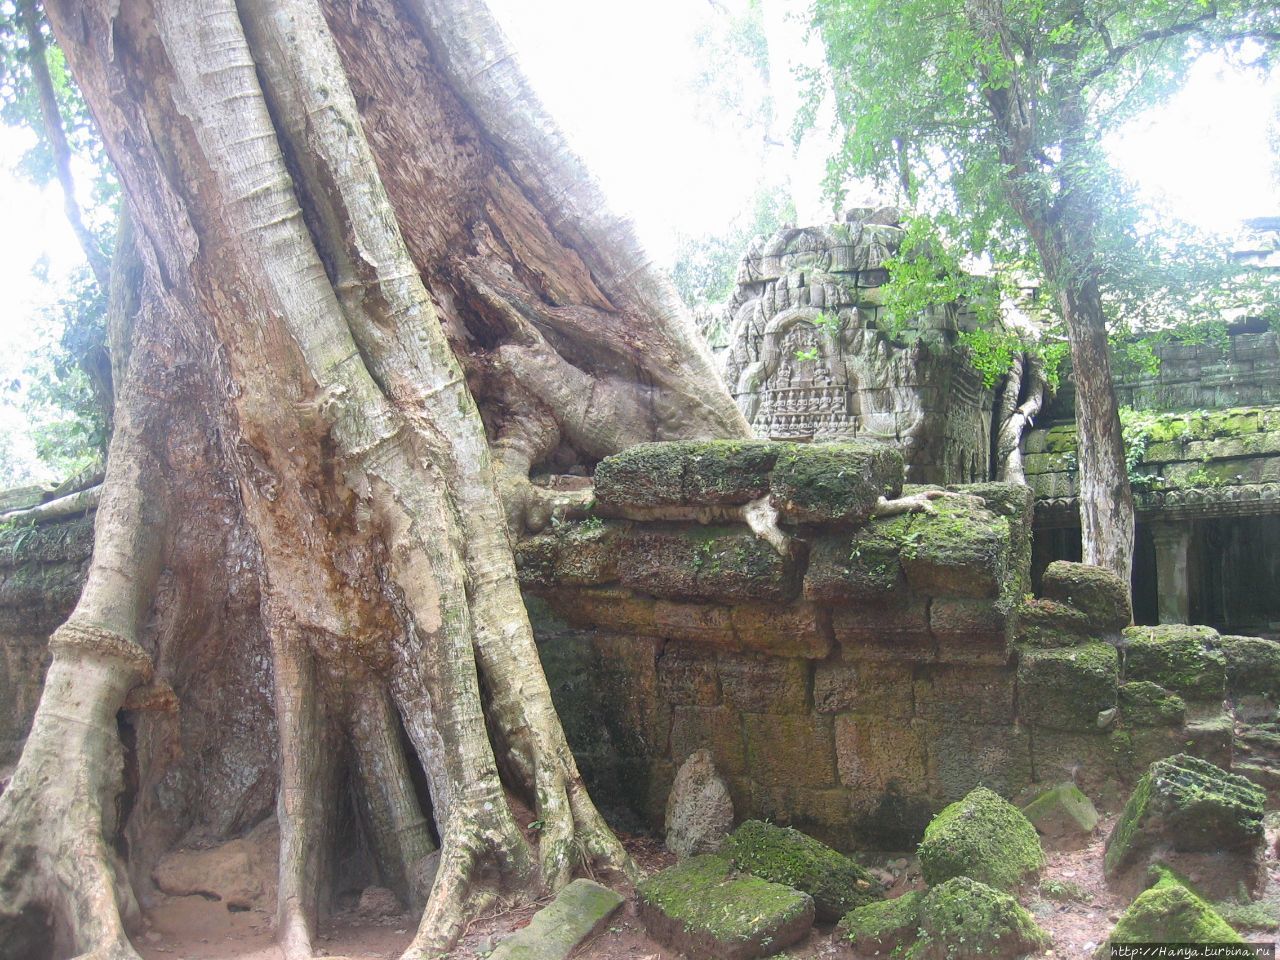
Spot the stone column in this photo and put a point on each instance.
(1172, 589)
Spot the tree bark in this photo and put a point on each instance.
(376, 260)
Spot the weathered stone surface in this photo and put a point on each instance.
(699, 810)
(1047, 623)
(856, 567)
(964, 694)
(241, 873)
(702, 909)
(796, 630)
(895, 631)
(1253, 666)
(572, 555)
(961, 549)
(969, 630)
(1169, 912)
(700, 623)
(963, 919)
(874, 754)
(609, 607)
(787, 856)
(696, 473)
(1097, 593)
(1147, 704)
(378, 902)
(687, 675)
(721, 564)
(1189, 805)
(884, 927)
(983, 837)
(963, 756)
(879, 689)
(1066, 688)
(760, 684)
(834, 483)
(790, 749)
(1180, 658)
(718, 729)
(578, 911)
(1063, 816)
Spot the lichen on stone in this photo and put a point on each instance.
(1184, 659)
(1147, 704)
(984, 837)
(785, 855)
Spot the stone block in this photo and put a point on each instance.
(573, 555)
(797, 630)
(699, 811)
(1184, 659)
(859, 567)
(963, 919)
(1169, 912)
(1063, 815)
(969, 630)
(834, 483)
(1096, 592)
(1190, 805)
(1253, 666)
(717, 729)
(684, 473)
(982, 836)
(877, 689)
(787, 856)
(697, 623)
(965, 694)
(883, 928)
(962, 756)
(761, 684)
(608, 608)
(1047, 623)
(724, 564)
(961, 549)
(687, 676)
(894, 631)
(578, 912)
(1067, 688)
(795, 750)
(874, 753)
(703, 909)
(1147, 704)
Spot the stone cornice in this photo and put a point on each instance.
(1183, 503)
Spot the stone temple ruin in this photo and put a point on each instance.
(862, 670)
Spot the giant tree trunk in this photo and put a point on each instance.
(387, 294)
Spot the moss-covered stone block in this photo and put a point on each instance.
(970, 630)
(1190, 805)
(576, 554)
(961, 549)
(1066, 688)
(1253, 666)
(701, 907)
(1048, 623)
(964, 919)
(785, 855)
(884, 927)
(685, 473)
(1096, 592)
(857, 567)
(577, 912)
(1184, 659)
(982, 836)
(834, 483)
(1147, 704)
(1063, 815)
(721, 564)
(1169, 912)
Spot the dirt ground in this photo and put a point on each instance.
(194, 928)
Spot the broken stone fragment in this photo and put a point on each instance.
(575, 915)
(699, 810)
(1181, 658)
(882, 927)
(1169, 912)
(703, 909)
(984, 837)
(785, 855)
(1188, 805)
(963, 919)
(1063, 815)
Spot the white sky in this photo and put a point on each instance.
(617, 76)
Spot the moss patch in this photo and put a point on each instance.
(686, 472)
(785, 855)
(884, 926)
(1048, 623)
(1181, 658)
(1170, 913)
(1097, 593)
(1063, 813)
(963, 919)
(1253, 666)
(703, 908)
(1066, 688)
(984, 837)
(961, 549)
(834, 482)
(1147, 704)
